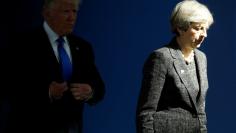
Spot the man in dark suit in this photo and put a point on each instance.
(50, 87)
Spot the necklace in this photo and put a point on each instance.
(190, 58)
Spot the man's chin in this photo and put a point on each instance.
(68, 32)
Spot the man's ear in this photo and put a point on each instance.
(45, 12)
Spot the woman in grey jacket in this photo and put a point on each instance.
(174, 85)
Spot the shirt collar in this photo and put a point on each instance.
(53, 36)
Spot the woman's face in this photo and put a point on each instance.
(195, 34)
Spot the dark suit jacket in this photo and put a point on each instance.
(33, 67)
(168, 102)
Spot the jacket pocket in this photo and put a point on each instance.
(175, 122)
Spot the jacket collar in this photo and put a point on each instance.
(181, 69)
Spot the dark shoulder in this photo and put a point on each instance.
(31, 32)
(78, 40)
(35, 35)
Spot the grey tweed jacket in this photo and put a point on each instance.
(168, 102)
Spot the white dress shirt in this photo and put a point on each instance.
(52, 36)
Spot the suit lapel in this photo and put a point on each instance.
(74, 48)
(52, 63)
(182, 71)
(200, 65)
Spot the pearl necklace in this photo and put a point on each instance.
(190, 58)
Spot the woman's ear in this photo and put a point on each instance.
(180, 32)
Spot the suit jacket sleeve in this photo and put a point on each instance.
(96, 81)
(87, 71)
(154, 73)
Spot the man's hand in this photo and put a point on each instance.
(81, 91)
(56, 89)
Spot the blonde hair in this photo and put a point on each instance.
(188, 11)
